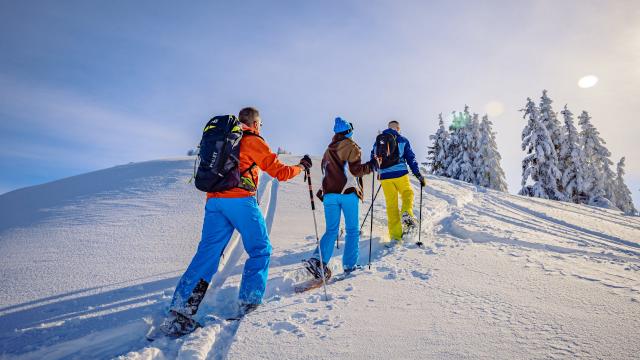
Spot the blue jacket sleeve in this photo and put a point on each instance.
(410, 157)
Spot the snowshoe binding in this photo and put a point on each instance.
(409, 226)
(313, 266)
(246, 308)
(243, 310)
(409, 221)
(348, 271)
(177, 325)
(393, 243)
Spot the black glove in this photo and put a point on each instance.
(373, 164)
(422, 180)
(306, 162)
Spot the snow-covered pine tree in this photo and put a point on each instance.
(468, 148)
(596, 157)
(610, 185)
(549, 119)
(489, 173)
(624, 200)
(540, 172)
(454, 147)
(571, 160)
(437, 158)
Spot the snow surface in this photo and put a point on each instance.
(89, 261)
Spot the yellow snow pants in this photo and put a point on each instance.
(392, 188)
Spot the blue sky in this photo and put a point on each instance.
(86, 85)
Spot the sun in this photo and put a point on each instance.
(494, 108)
(588, 81)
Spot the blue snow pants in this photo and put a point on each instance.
(334, 204)
(222, 216)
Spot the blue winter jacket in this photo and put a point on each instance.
(406, 157)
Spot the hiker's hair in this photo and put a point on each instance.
(248, 115)
(393, 124)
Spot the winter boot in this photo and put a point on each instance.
(348, 271)
(313, 266)
(246, 308)
(176, 325)
(393, 243)
(409, 221)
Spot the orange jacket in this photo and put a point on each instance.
(253, 149)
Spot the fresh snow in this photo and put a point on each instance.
(89, 261)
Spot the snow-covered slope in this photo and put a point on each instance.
(87, 261)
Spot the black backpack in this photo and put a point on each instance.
(219, 154)
(386, 150)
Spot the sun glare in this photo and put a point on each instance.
(588, 81)
(494, 108)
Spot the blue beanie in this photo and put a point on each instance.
(341, 125)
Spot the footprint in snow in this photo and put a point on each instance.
(281, 327)
(299, 316)
(420, 275)
(391, 276)
(321, 322)
(429, 251)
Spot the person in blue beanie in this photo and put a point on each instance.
(341, 192)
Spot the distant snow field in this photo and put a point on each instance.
(88, 262)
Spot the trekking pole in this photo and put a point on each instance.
(307, 174)
(419, 243)
(373, 181)
(368, 210)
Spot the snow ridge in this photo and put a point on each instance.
(500, 276)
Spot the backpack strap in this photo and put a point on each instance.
(247, 183)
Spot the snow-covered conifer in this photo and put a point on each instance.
(624, 201)
(437, 158)
(468, 148)
(454, 145)
(489, 173)
(540, 172)
(596, 155)
(571, 160)
(549, 119)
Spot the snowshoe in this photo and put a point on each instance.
(246, 308)
(308, 285)
(177, 325)
(409, 226)
(393, 243)
(243, 310)
(348, 271)
(313, 266)
(409, 221)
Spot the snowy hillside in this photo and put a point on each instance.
(87, 262)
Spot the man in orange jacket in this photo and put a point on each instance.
(226, 211)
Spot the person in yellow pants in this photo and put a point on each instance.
(393, 154)
(392, 188)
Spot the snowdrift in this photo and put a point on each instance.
(89, 261)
